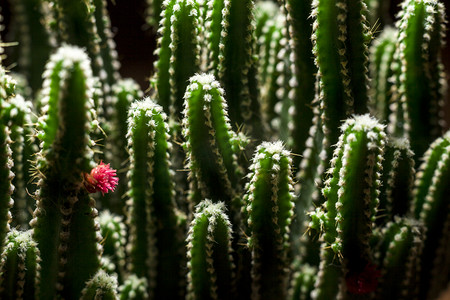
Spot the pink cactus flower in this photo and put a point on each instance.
(101, 179)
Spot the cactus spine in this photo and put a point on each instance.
(64, 219)
(156, 235)
(19, 267)
(351, 194)
(210, 263)
(269, 205)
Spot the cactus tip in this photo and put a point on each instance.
(102, 178)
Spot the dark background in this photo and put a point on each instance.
(136, 41)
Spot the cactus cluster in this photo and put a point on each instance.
(281, 150)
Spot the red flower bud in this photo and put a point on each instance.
(101, 179)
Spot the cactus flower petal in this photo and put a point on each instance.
(101, 179)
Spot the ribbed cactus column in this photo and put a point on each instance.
(35, 39)
(431, 206)
(210, 263)
(420, 83)
(178, 53)
(19, 267)
(211, 145)
(154, 9)
(64, 219)
(134, 288)
(270, 208)
(304, 70)
(398, 180)
(346, 218)
(382, 72)
(399, 258)
(156, 239)
(230, 43)
(6, 163)
(16, 114)
(340, 38)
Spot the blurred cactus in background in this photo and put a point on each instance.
(290, 149)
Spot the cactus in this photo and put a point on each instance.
(35, 39)
(134, 288)
(399, 256)
(211, 145)
(19, 267)
(230, 49)
(351, 194)
(431, 207)
(419, 89)
(156, 235)
(210, 263)
(100, 287)
(178, 52)
(64, 219)
(269, 205)
(17, 116)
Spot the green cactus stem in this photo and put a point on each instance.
(399, 259)
(346, 218)
(211, 145)
(113, 231)
(154, 10)
(210, 261)
(270, 208)
(304, 70)
(64, 219)
(382, 72)
(156, 232)
(340, 44)
(35, 41)
(125, 91)
(16, 114)
(230, 42)
(134, 288)
(431, 207)
(420, 83)
(19, 267)
(398, 180)
(302, 283)
(178, 53)
(6, 162)
(100, 287)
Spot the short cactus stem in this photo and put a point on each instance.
(270, 208)
(210, 261)
(19, 267)
(398, 180)
(346, 218)
(156, 231)
(302, 282)
(134, 288)
(212, 146)
(431, 207)
(399, 259)
(64, 219)
(382, 72)
(17, 115)
(113, 231)
(178, 53)
(100, 287)
(420, 83)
